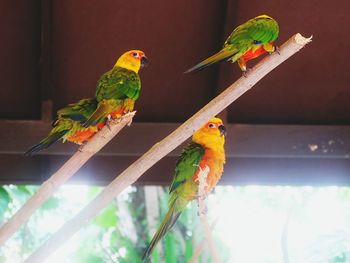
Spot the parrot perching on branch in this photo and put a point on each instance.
(249, 40)
(205, 151)
(119, 88)
(68, 125)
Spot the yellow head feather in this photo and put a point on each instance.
(263, 16)
(210, 135)
(130, 60)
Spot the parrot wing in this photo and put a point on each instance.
(79, 111)
(119, 84)
(261, 29)
(113, 87)
(186, 167)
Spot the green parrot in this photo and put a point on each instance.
(205, 151)
(119, 88)
(68, 125)
(249, 40)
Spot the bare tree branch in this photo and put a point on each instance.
(49, 187)
(200, 247)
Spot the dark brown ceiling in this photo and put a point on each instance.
(169, 32)
(19, 59)
(56, 50)
(310, 88)
(87, 37)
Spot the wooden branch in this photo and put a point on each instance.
(159, 150)
(202, 184)
(49, 187)
(200, 247)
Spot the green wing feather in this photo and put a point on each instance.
(262, 29)
(79, 111)
(119, 84)
(64, 123)
(186, 167)
(112, 88)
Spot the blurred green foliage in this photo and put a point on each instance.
(121, 232)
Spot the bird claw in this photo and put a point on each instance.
(278, 50)
(203, 211)
(81, 147)
(246, 72)
(108, 121)
(108, 125)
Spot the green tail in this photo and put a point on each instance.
(223, 55)
(46, 142)
(167, 223)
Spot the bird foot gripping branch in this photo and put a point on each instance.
(127, 116)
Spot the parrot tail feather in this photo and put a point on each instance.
(45, 143)
(223, 55)
(167, 223)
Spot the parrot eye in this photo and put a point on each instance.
(134, 54)
(211, 125)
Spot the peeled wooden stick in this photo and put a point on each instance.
(200, 247)
(202, 184)
(49, 187)
(159, 150)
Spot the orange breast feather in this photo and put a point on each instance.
(250, 55)
(82, 136)
(215, 162)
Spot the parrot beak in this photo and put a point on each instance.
(144, 61)
(222, 130)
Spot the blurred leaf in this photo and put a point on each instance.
(132, 254)
(94, 190)
(51, 203)
(188, 249)
(170, 249)
(24, 189)
(5, 199)
(340, 258)
(93, 259)
(107, 218)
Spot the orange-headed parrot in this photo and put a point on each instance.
(119, 88)
(205, 150)
(249, 40)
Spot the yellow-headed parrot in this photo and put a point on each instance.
(119, 88)
(205, 150)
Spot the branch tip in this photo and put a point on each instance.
(302, 40)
